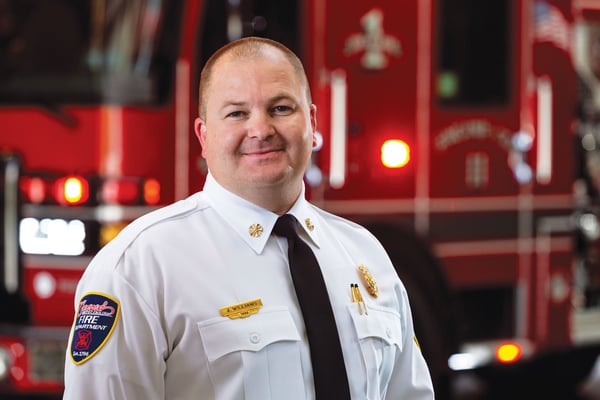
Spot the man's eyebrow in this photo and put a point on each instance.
(233, 103)
(283, 96)
(278, 97)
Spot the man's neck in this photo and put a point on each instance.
(276, 200)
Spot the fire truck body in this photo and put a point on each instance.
(472, 195)
(94, 142)
(485, 103)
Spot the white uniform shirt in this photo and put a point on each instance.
(168, 274)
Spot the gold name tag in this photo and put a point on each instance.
(242, 310)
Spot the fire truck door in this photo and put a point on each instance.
(367, 54)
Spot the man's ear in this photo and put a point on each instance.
(313, 123)
(200, 130)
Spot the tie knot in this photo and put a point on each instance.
(285, 226)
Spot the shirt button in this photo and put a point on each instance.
(254, 337)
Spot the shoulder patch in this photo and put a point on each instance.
(95, 321)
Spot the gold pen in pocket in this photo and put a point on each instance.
(357, 298)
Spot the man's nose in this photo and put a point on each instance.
(260, 125)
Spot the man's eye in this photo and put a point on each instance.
(282, 110)
(235, 114)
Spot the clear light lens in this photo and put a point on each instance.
(5, 363)
(395, 153)
(318, 142)
(462, 362)
(71, 190)
(314, 176)
(52, 236)
(522, 141)
(44, 285)
(523, 173)
(589, 225)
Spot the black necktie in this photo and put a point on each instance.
(329, 372)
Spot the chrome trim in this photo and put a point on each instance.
(11, 226)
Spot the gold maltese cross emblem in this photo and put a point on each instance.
(255, 230)
(309, 224)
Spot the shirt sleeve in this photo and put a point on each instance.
(410, 379)
(122, 358)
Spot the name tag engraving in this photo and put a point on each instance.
(242, 310)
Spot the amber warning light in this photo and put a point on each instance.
(508, 352)
(395, 153)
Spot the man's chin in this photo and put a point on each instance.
(270, 180)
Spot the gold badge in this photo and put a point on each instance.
(255, 230)
(309, 224)
(369, 281)
(242, 310)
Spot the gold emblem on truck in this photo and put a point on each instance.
(375, 43)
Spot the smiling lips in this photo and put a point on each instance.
(261, 152)
(262, 155)
(256, 150)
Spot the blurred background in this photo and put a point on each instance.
(464, 134)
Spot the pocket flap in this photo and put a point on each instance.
(221, 336)
(381, 322)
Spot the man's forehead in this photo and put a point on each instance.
(233, 61)
(238, 72)
(263, 52)
(234, 72)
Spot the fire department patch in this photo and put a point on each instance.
(95, 321)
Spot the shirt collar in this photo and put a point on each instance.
(253, 223)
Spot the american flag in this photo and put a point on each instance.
(551, 26)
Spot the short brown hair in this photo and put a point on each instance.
(247, 47)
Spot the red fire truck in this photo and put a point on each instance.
(454, 130)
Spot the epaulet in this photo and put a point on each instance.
(112, 252)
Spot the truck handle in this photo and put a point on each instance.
(544, 143)
(339, 90)
(10, 201)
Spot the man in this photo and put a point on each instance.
(196, 301)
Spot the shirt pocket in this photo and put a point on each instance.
(253, 357)
(380, 338)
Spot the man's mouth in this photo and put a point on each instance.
(261, 152)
